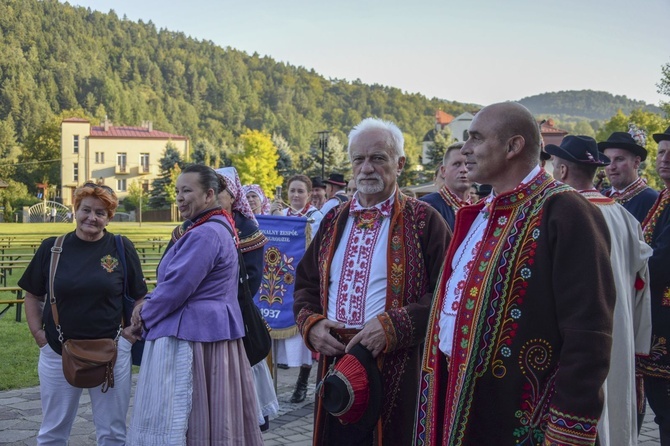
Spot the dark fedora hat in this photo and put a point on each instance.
(337, 179)
(544, 156)
(484, 190)
(623, 140)
(665, 136)
(318, 182)
(353, 391)
(579, 149)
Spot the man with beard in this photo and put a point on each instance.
(519, 336)
(656, 228)
(454, 194)
(367, 278)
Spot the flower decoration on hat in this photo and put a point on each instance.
(638, 134)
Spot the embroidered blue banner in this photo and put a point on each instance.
(286, 246)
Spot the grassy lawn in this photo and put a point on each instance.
(18, 351)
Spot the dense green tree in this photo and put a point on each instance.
(256, 162)
(163, 187)
(437, 148)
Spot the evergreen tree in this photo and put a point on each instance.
(437, 148)
(163, 187)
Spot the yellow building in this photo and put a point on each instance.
(114, 156)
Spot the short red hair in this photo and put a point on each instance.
(108, 198)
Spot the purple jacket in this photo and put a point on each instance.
(196, 295)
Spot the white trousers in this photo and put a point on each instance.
(60, 401)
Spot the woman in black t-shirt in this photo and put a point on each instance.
(89, 289)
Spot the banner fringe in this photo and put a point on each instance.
(284, 333)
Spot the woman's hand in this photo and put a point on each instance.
(136, 318)
(276, 208)
(40, 338)
(132, 333)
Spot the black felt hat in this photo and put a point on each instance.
(579, 149)
(623, 140)
(337, 179)
(318, 182)
(665, 136)
(484, 190)
(353, 391)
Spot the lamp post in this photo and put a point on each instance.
(323, 143)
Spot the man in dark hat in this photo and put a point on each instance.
(656, 228)
(628, 189)
(368, 277)
(318, 192)
(519, 335)
(455, 190)
(335, 185)
(575, 163)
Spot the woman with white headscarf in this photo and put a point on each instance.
(234, 200)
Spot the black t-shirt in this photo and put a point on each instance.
(88, 286)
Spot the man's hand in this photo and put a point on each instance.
(371, 337)
(321, 339)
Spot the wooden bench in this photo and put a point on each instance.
(11, 302)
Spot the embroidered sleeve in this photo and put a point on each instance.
(564, 429)
(306, 320)
(398, 328)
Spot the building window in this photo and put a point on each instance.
(100, 157)
(75, 143)
(121, 162)
(466, 135)
(145, 186)
(121, 185)
(75, 172)
(144, 162)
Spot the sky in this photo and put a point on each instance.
(475, 51)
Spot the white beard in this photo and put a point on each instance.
(368, 188)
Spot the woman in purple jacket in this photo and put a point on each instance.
(195, 384)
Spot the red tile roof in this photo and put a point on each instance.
(98, 131)
(75, 120)
(548, 127)
(443, 118)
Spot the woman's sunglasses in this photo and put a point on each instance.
(101, 186)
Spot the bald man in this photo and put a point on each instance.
(519, 338)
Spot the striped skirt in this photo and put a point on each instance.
(192, 393)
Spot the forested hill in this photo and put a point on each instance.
(56, 57)
(585, 103)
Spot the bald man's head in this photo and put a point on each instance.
(512, 119)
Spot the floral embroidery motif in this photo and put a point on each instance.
(629, 192)
(109, 263)
(278, 270)
(535, 356)
(649, 224)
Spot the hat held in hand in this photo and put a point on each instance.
(352, 390)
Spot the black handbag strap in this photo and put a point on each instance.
(244, 278)
(121, 250)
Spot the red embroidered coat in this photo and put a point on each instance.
(418, 237)
(532, 342)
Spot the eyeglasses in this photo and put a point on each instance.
(101, 186)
